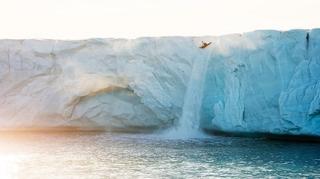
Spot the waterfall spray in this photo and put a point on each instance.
(189, 121)
(190, 118)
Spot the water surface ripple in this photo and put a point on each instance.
(109, 155)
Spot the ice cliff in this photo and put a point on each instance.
(257, 82)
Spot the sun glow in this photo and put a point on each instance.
(77, 19)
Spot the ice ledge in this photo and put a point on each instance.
(261, 81)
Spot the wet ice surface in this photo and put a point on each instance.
(107, 155)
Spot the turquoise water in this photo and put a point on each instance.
(107, 155)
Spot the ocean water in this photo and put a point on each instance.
(116, 155)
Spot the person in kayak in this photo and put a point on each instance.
(204, 44)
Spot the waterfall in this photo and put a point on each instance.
(190, 117)
(189, 121)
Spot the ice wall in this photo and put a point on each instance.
(97, 83)
(262, 81)
(266, 82)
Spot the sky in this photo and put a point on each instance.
(81, 19)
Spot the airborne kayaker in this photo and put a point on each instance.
(204, 44)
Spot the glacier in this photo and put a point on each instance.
(264, 81)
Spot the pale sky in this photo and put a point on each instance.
(79, 19)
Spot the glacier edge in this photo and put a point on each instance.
(257, 82)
